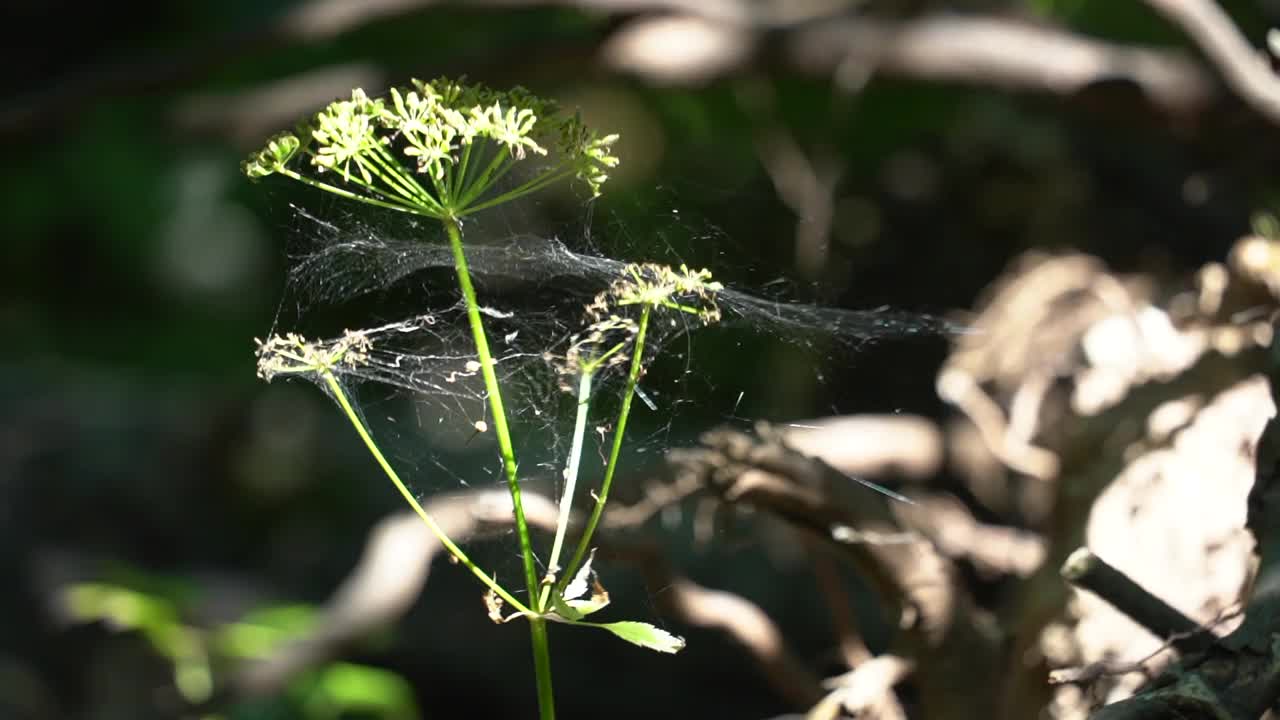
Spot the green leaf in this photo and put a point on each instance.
(348, 688)
(564, 609)
(1266, 224)
(572, 605)
(261, 631)
(644, 635)
(586, 607)
(599, 599)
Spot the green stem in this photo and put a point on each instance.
(500, 428)
(537, 183)
(403, 182)
(570, 483)
(460, 171)
(391, 177)
(537, 626)
(542, 667)
(493, 177)
(353, 196)
(633, 379)
(482, 181)
(449, 545)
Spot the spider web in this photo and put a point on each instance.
(419, 389)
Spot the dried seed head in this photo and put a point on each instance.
(292, 354)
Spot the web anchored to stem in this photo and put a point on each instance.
(462, 141)
(443, 151)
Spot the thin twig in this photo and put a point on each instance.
(1092, 573)
(1093, 671)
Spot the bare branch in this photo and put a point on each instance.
(1092, 573)
(937, 617)
(1003, 53)
(1237, 677)
(393, 571)
(1245, 70)
(1094, 671)
(992, 549)
(908, 446)
(739, 618)
(867, 691)
(734, 36)
(385, 582)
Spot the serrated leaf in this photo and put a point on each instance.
(644, 635)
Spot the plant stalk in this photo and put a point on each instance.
(633, 379)
(570, 482)
(537, 626)
(542, 668)
(439, 532)
(500, 428)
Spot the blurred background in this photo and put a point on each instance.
(165, 515)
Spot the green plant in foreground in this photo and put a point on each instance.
(444, 150)
(194, 652)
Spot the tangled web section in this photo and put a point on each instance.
(418, 384)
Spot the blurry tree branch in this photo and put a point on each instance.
(865, 692)
(867, 689)
(808, 186)
(998, 52)
(1246, 70)
(992, 549)
(1095, 671)
(1068, 379)
(385, 582)
(1238, 676)
(941, 628)
(326, 18)
(394, 567)
(709, 40)
(1090, 572)
(901, 445)
(737, 617)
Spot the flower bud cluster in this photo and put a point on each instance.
(433, 125)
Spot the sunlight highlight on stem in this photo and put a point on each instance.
(633, 378)
(570, 482)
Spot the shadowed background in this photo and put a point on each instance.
(857, 154)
